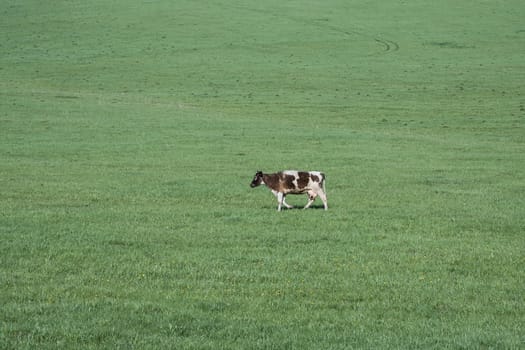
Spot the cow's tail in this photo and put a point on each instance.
(323, 181)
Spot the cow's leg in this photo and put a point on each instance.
(283, 202)
(280, 200)
(323, 198)
(311, 198)
(286, 204)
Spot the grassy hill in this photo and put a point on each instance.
(130, 130)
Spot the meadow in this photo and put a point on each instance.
(130, 131)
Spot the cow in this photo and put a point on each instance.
(293, 182)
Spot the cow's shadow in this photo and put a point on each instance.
(300, 207)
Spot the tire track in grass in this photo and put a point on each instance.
(388, 45)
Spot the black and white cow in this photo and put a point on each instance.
(293, 182)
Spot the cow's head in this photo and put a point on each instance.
(257, 179)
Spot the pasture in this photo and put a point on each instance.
(130, 131)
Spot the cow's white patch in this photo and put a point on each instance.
(291, 172)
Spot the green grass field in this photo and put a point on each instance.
(130, 131)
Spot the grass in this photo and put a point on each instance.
(129, 133)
